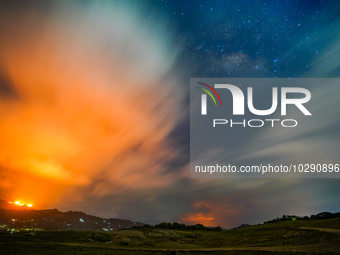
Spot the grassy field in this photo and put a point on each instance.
(288, 237)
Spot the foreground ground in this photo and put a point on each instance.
(290, 237)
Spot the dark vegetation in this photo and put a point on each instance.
(177, 226)
(320, 216)
(298, 236)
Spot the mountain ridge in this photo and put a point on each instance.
(17, 217)
(20, 217)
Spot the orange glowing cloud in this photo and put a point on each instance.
(200, 218)
(210, 213)
(92, 106)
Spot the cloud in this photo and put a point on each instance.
(316, 139)
(94, 101)
(209, 213)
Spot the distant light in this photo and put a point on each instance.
(81, 220)
(29, 205)
(17, 202)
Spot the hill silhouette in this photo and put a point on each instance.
(23, 217)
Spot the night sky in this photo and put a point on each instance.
(94, 104)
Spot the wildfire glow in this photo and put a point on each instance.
(90, 104)
(19, 203)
